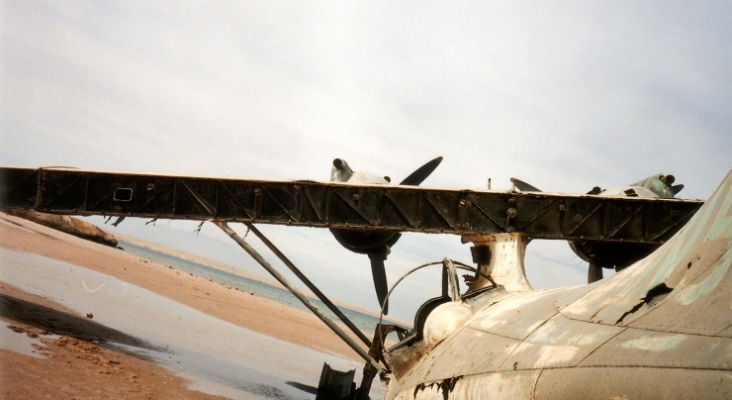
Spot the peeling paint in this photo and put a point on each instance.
(446, 386)
(548, 355)
(694, 292)
(711, 222)
(553, 332)
(654, 343)
(565, 343)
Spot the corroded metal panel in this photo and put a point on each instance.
(464, 357)
(619, 383)
(683, 309)
(627, 383)
(642, 348)
(337, 205)
(610, 299)
(517, 385)
(659, 329)
(517, 316)
(560, 342)
(689, 276)
(568, 297)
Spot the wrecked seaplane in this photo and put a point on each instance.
(661, 328)
(600, 254)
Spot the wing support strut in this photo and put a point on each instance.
(332, 307)
(267, 266)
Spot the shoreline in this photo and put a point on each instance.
(240, 308)
(263, 316)
(265, 279)
(64, 349)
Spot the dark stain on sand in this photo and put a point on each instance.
(57, 322)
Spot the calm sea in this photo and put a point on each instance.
(365, 322)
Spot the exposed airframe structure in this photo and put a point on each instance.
(662, 329)
(545, 345)
(337, 205)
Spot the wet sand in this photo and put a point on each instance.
(103, 323)
(72, 365)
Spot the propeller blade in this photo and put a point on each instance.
(418, 176)
(378, 271)
(594, 273)
(677, 188)
(375, 244)
(523, 186)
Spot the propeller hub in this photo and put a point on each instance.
(376, 245)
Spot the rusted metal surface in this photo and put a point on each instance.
(581, 383)
(335, 385)
(660, 329)
(504, 262)
(336, 205)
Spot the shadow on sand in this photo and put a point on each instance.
(52, 321)
(303, 387)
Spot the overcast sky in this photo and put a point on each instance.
(565, 95)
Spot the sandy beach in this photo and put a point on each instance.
(87, 321)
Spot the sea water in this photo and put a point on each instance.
(365, 322)
(234, 362)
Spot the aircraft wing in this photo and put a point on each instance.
(344, 206)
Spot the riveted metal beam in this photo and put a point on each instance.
(338, 205)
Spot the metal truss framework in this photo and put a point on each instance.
(337, 205)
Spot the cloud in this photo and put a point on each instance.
(564, 95)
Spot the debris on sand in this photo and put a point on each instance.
(70, 225)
